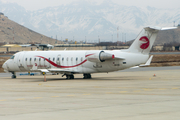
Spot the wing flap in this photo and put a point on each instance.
(57, 70)
(43, 70)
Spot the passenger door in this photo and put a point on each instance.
(58, 60)
(20, 61)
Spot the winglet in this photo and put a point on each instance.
(169, 28)
(148, 62)
(143, 65)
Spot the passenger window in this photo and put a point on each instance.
(30, 59)
(49, 59)
(76, 59)
(72, 59)
(26, 59)
(62, 59)
(67, 59)
(39, 59)
(58, 59)
(44, 59)
(34, 59)
(81, 59)
(53, 59)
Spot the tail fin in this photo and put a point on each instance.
(145, 40)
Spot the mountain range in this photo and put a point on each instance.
(85, 21)
(12, 32)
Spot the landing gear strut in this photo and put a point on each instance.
(69, 76)
(87, 76)
(13, 75)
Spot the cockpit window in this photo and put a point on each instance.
(12, 57)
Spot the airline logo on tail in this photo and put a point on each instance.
(144, 42)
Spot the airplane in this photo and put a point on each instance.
(86, 62)
(40, 46)
(26, 45)
(44, 46)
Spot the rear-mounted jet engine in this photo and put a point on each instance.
(98, 56)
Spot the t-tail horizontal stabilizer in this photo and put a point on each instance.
(145, 40)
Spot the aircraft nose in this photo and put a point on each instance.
(5, 67)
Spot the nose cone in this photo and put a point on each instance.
(5, 67)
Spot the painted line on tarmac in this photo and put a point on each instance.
(86, 94)
(162, 89)
(38, 97)
(147, 89)
(123, 91)
(20, 99)
(137, 91)
(55, 96)
(71, 95)
(175, 88)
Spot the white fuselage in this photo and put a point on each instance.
(74, 61)
(86, 62)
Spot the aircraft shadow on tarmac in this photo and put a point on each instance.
(41, 79)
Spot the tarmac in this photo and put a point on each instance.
(142, 94)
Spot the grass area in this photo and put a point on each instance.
(166, 60)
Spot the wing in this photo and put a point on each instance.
(57, 70)
(144, 65)
(53, 70)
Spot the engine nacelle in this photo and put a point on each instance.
(98, 56)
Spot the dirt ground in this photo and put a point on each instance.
(166, 60)
(2, 60)
(158, 60)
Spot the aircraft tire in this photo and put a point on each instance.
(72, 77)
(13, 76)
(87, 76)
(69, 76)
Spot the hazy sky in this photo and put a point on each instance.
(39, 4)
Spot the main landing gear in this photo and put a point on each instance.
(69, 76)
(13, 75)
(87, 76)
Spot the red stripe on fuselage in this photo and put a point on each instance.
(59, 66)
(89, 55)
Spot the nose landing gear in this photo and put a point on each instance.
(13, 75)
